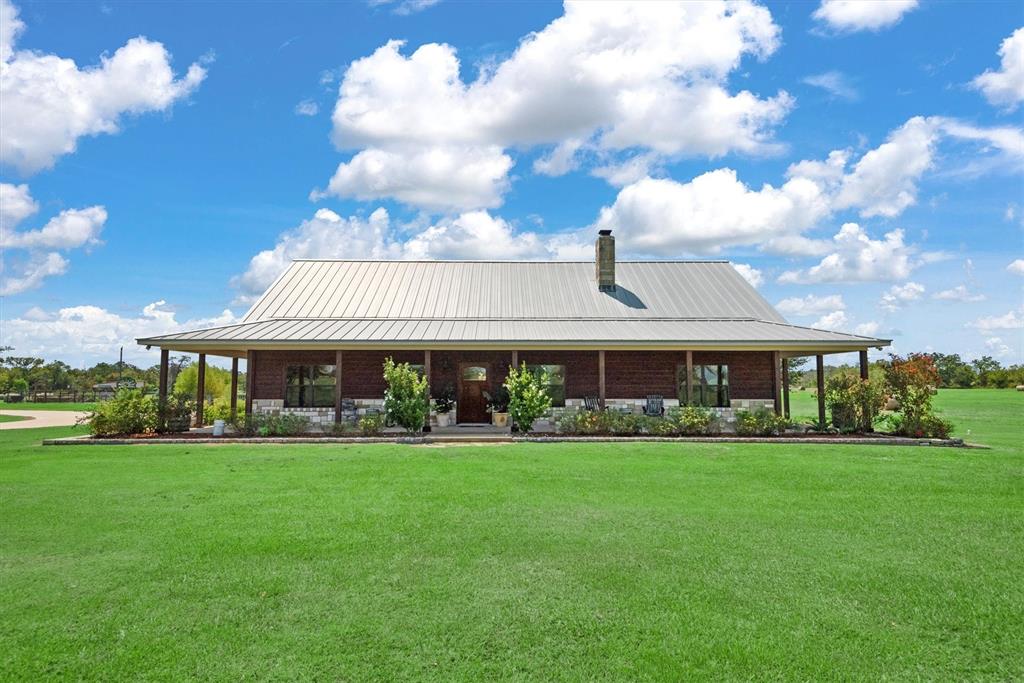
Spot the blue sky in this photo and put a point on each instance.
(161, 182)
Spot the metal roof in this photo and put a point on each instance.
(508, 290)
(535, 304)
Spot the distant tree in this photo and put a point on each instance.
(985, 366)
(217, 383)
(953, 371)
(795, 366)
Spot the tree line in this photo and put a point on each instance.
(28, 375)
(954, 372)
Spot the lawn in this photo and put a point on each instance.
(12, 418)
(527, 561)
(46, 406)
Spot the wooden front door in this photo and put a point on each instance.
(474, 380)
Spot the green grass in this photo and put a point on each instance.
(12, 418)
(24, 405)
(532, 561)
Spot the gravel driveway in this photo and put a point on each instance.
(41, 418)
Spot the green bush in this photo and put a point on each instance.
(405, 400)
(220, 409)
(216, 382)
(762, 422)
(128, 412)
(854, 403)
(264, 425)
(927, 426)
(176, 414)
(527, 397)
(340, 428)
(371, 425)
(693, 420)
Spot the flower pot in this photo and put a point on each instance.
(443, 419)
(499, 419)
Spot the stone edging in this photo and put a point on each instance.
(487, 438)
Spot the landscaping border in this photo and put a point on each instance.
(86, 440)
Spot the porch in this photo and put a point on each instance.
(327, 386)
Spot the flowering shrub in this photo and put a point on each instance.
(691, 420)
(853, 402)
(761, 422)
(912, 381)
(527, 397)
(260, 424)
(128, 412)
(405, 400)
(371, 425)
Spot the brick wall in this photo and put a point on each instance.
(628, 374)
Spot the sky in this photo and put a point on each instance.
(860, 162)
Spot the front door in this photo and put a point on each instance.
(474, 380)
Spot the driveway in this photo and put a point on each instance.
(41, 418)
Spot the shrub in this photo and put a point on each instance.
(128, 412)
(405, 399)
(694, 420)
(340, 428)
(853, 402)
(175, 415)
(264, 425)
(912, 381)
(928, 426)
(763, 422)
(371, 425)
(216, 382)
(220, 409)
(528, 399)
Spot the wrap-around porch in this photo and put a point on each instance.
(332, 385)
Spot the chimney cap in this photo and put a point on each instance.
(604, 232)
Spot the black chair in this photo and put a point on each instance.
(655, 406)
(591, 403)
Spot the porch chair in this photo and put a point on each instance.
(655, 406)
(349, 411)
(591, 403)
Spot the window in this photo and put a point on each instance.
(710, 385)
(556, 382)
(474, 373)
(309, 386)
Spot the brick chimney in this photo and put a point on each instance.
(604, 261)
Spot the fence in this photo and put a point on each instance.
(64, 396)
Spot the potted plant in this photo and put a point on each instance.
(497, 404)
(443, 404)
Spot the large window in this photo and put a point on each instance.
(309, 386)
(556, 382)
(710, 385)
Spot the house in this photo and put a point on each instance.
(616, 332)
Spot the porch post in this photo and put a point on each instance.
(200, 389)
(689, 378)
(864, 364)
(785, 387)
(820, 362)
(426, 369)
(777, 382)
(600, 379)
(234, 387)
(162, 390)
(250, 380)
(337, 386)
(515, 359)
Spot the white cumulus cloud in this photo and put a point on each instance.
(1016, 266)
(862, 15)
(307, 108)
(1011, 320)
(1005, 87)
(835, 320)
(899, 296)
(612, 75)
(49, 102)
(752, 275)
(811, 304)
(859, 258)
(958, 293)
(87, 334)
(712, 211)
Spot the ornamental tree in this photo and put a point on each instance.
(405, 400)
(527, 397)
